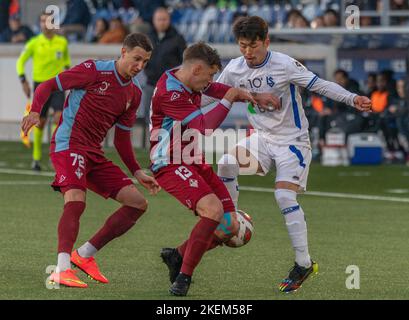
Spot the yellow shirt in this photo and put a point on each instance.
(50, 57)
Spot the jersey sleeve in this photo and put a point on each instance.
(299, 75)
(78, 77)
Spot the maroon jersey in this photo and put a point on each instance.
(99, 99)
(176, 108)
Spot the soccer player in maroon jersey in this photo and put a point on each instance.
(102, 94)
(176, 107)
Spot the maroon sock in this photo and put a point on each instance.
(69, 225)
(213, 244)
(199, 240)
(116, 225)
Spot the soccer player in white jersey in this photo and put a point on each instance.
(281, 133)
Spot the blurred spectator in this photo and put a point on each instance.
(146, 8)
(301, 22)
(370, 84)
(385, 111)
(292, 17)
(16, 33)
(331, 18)
(318, 22)
(139, 25)
(340, 115)
(4, 14)
(399, 5)
(365, 21)
(101, 27)
(116, 33)
(168, 47)
(77, 19)
(402, 112)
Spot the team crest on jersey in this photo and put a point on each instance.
(193, 183)
(59, 54)
(174, 96)
(87, 65)
(270, 81)
(78, 173)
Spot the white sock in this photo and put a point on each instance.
(296, 225)
(87, 250)
(228, 171)
(64, 262)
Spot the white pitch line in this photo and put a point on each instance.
(254, 189)
(22, 182)
(334, 195)
(28, 172)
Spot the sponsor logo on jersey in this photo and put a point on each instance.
(106, 72)
(296, 178)
(174, 96)
(299, 65)
(270, 81)
(189, 204)
(103, 88)
(87, 65)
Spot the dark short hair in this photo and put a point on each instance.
(250, 28)
(138, 40)
(203, 52)
(343, 72)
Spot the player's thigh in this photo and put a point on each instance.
(130, 196)
(106, 179)
(70, 170)
(252, 155)
(292, 165)
(184, 183)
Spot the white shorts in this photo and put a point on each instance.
(292, 162)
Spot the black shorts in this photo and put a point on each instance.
(55, 101)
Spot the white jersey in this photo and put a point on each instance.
(281, 75)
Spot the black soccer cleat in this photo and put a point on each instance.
(297, 276)
(181, 285)
(35, 166)
(172, 258)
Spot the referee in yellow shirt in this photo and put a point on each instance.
(49, 52)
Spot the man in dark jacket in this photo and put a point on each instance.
(168, 46)
(4, 14)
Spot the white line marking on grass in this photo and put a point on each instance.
(355, 174)
(333, 195)
(22, 183)
(28, 172)
(397, 191)
(254, 189)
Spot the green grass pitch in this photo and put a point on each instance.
(371, 234)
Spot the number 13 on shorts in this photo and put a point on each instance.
(183, 173)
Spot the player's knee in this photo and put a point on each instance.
(139, 204)
(228, 167)
(286, 200)
(212, 210)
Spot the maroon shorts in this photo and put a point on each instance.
(190, 183)
(76, 169)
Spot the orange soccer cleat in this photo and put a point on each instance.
(67, 278)
(89, 266)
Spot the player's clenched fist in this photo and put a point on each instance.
(267, 101)
(147, 181)
(235, 94)
(363, 103)
(32, 119)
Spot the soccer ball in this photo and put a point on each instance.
(245, 231)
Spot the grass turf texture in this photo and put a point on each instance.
(367, 233)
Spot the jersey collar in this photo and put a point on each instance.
(264, 62)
